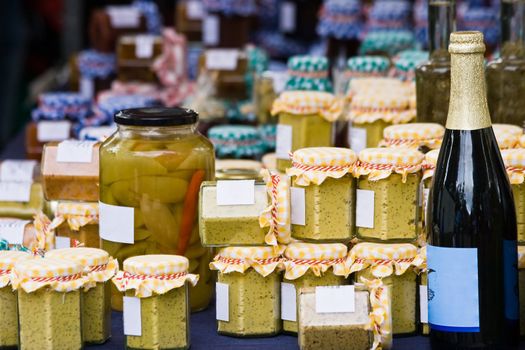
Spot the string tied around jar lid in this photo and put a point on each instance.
(264, 260)
(380, 163)
(318, 258)
(380, 317)
(277, 215)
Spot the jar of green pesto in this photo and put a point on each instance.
(9, 319)
(387, 194)
(392, 264)
(514, 160)
(49, 303)
(248, 291)
(310, 265)
(99, 268)
(305, 120)
(156, 301)
(324, 176)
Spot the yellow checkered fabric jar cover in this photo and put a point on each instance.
(264, 260)
(301, 257)
(380, 163)
(522, 141)
(429, 163)
(154, 274)
(507, 135)
(316, 164)
(413, 135)
(514, 160)
(76, 214)
(8, 259)
(307, 103)
(278, 214)
(380, 318)
(57, 274)
(45, 234)
(521, 257)
(368, 85)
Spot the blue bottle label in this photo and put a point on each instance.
(510, 279)
(453, 297)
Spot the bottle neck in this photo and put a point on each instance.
(468, 108)
(156, 132)
(442, 22)
(513, 28)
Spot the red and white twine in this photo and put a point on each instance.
(371, 166)
(322, 168)
(57, 278)
(317, 262)
(308, 75)
(233, 261)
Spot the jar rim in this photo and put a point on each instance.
(156, 116)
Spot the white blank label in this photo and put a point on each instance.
(298, 206)
(423, 304)
(87, 87)
(288, 302)
(62, 242)
(236, 192)
(356, 138)
(194, 10)
(13, 230)
(15, 191)
(72, 151)
(283, 141)
(287, 17)
(53, 131)
(222, 298)
(210, 30)
(222, 59)
(334, 299)
(364, 209)
(123, 16)
(116, 223)
(17, 170)
(132, 316)
(144, 46)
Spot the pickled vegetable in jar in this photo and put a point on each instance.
(99, 268)
(49, 303)
(77, 222)
(388, 182)
(311, 265)
(8, 299)
(421, 136)
(507, 135)
(251, 278)
(392, 264)
(135, 57)
(305, 120)
(514, 160)
(150, 176)
(158, 287)
(521, 277)
(324, 175)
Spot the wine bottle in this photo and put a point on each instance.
(472, 252)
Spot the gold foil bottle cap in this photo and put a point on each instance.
(466, 42)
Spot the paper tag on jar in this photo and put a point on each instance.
(144, 46)
(13, 230)
(123, 16)
(287, 17)
(283, 141)
(53, 130)
(364, 209)
(222, 301)
(210, 30)
(11, 191)
(17, 170)
(236, 192)
(72, 151)
(222, 59)
(87, 87)
(423, 304)
(132, 316)
(334, 299)
(62, 242)
(288, 302)
(116, 223)
(356, 138)
(298, 206)
(194, 10)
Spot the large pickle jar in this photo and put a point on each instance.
(150, 174)
(514, 160)
(310, 265)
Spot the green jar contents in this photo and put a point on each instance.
(521, 282)
(392, 264)
(99, 268)
(305, 120)
(156, 302)
(323, 177)
(49, 303)
(150, 176)
(310, 265)
(8, 300)
(387, 194)
(507, 136)
(514, 160)
(420, 136)
(248, 291)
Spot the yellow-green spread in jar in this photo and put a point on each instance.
(252, 277)
(514, 160)
(325, 176)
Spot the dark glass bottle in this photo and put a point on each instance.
(506, 75)
(472, 251)
(433, 77)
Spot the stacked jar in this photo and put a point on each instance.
(420, 136)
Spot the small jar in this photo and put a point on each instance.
(420, 136)
(325, 177)
(371, 261)
(388, 182)
(521, 282)
(310, 265)
(159, 284)
(507, 135)
(99, 268)
(514, 160)
(305, 120)
(49, 303)
(251, 276)
(21, 200)
(308, 73)
(135, 57)
(8, 299)
(77, 223)
(236, 141)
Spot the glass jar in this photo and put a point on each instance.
(388, 182)
(373, 260)
(8, 299)
(514, 160)
(521, 277)
(308, 265)
(77, 222)
(99, 268)
(507, 135)
(159, 285)
(21, 199)
(135, 57)
(305, 120)
(49, 303)
(236, 141)
(420, 136)
(366, 67)
(325, 177)
(150, 174)
(266, 88)
(251, 276)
